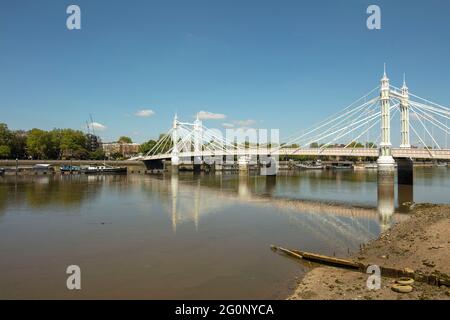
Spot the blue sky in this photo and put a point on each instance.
(280, 64)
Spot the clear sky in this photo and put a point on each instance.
(272, 64)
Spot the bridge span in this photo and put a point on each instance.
(423, 134)
(413, 153)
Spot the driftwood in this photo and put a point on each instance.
(435, 278)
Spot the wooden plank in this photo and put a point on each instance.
(436, 278)
(330, 260)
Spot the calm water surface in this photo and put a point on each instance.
(186, 236)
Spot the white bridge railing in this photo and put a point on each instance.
(438, 154)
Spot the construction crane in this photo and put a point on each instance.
(92, 124)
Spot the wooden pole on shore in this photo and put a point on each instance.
(436, 278)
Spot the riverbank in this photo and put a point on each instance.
(12, 163)
(27, 167)
(421, 243)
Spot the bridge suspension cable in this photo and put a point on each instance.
(428, 115)
(342, 125)
(293, 137)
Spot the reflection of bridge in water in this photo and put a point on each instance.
(188, 200)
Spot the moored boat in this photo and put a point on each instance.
(103, 169)
(43, 167)
(341, 165)
(315, 165)
(67, 168)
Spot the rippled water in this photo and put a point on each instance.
(188, 236)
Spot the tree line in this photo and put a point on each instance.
(58, 144)
(49, 145)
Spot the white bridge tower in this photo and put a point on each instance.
(385, 160)
(198, 139)
(404, 115)
(175, 159)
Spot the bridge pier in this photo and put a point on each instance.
(154, 165)
(386, 164)
(197, 166)
(175, 163)
(405, 171)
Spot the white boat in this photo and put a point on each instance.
(103, 169)
(316, 165)
(341, 165)
(43, 167)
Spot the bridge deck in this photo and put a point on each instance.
(438, 154)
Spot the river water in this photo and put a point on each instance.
(189, 236)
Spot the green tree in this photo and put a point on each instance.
(166, 145)
(5, 152)
(98, 154)
(147, 146)
(314, 145)
(5, 141)
(163, 147)
(80, 153)
(18, 144)
(116, 156)
(39, 144)
(371, 145)
(54, 151)
(355, 144)
(5, 133)
(72, 144)
(124, 139)
(67, 143)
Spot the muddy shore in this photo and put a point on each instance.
(421, 243)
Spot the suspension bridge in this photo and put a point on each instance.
(421, 128)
